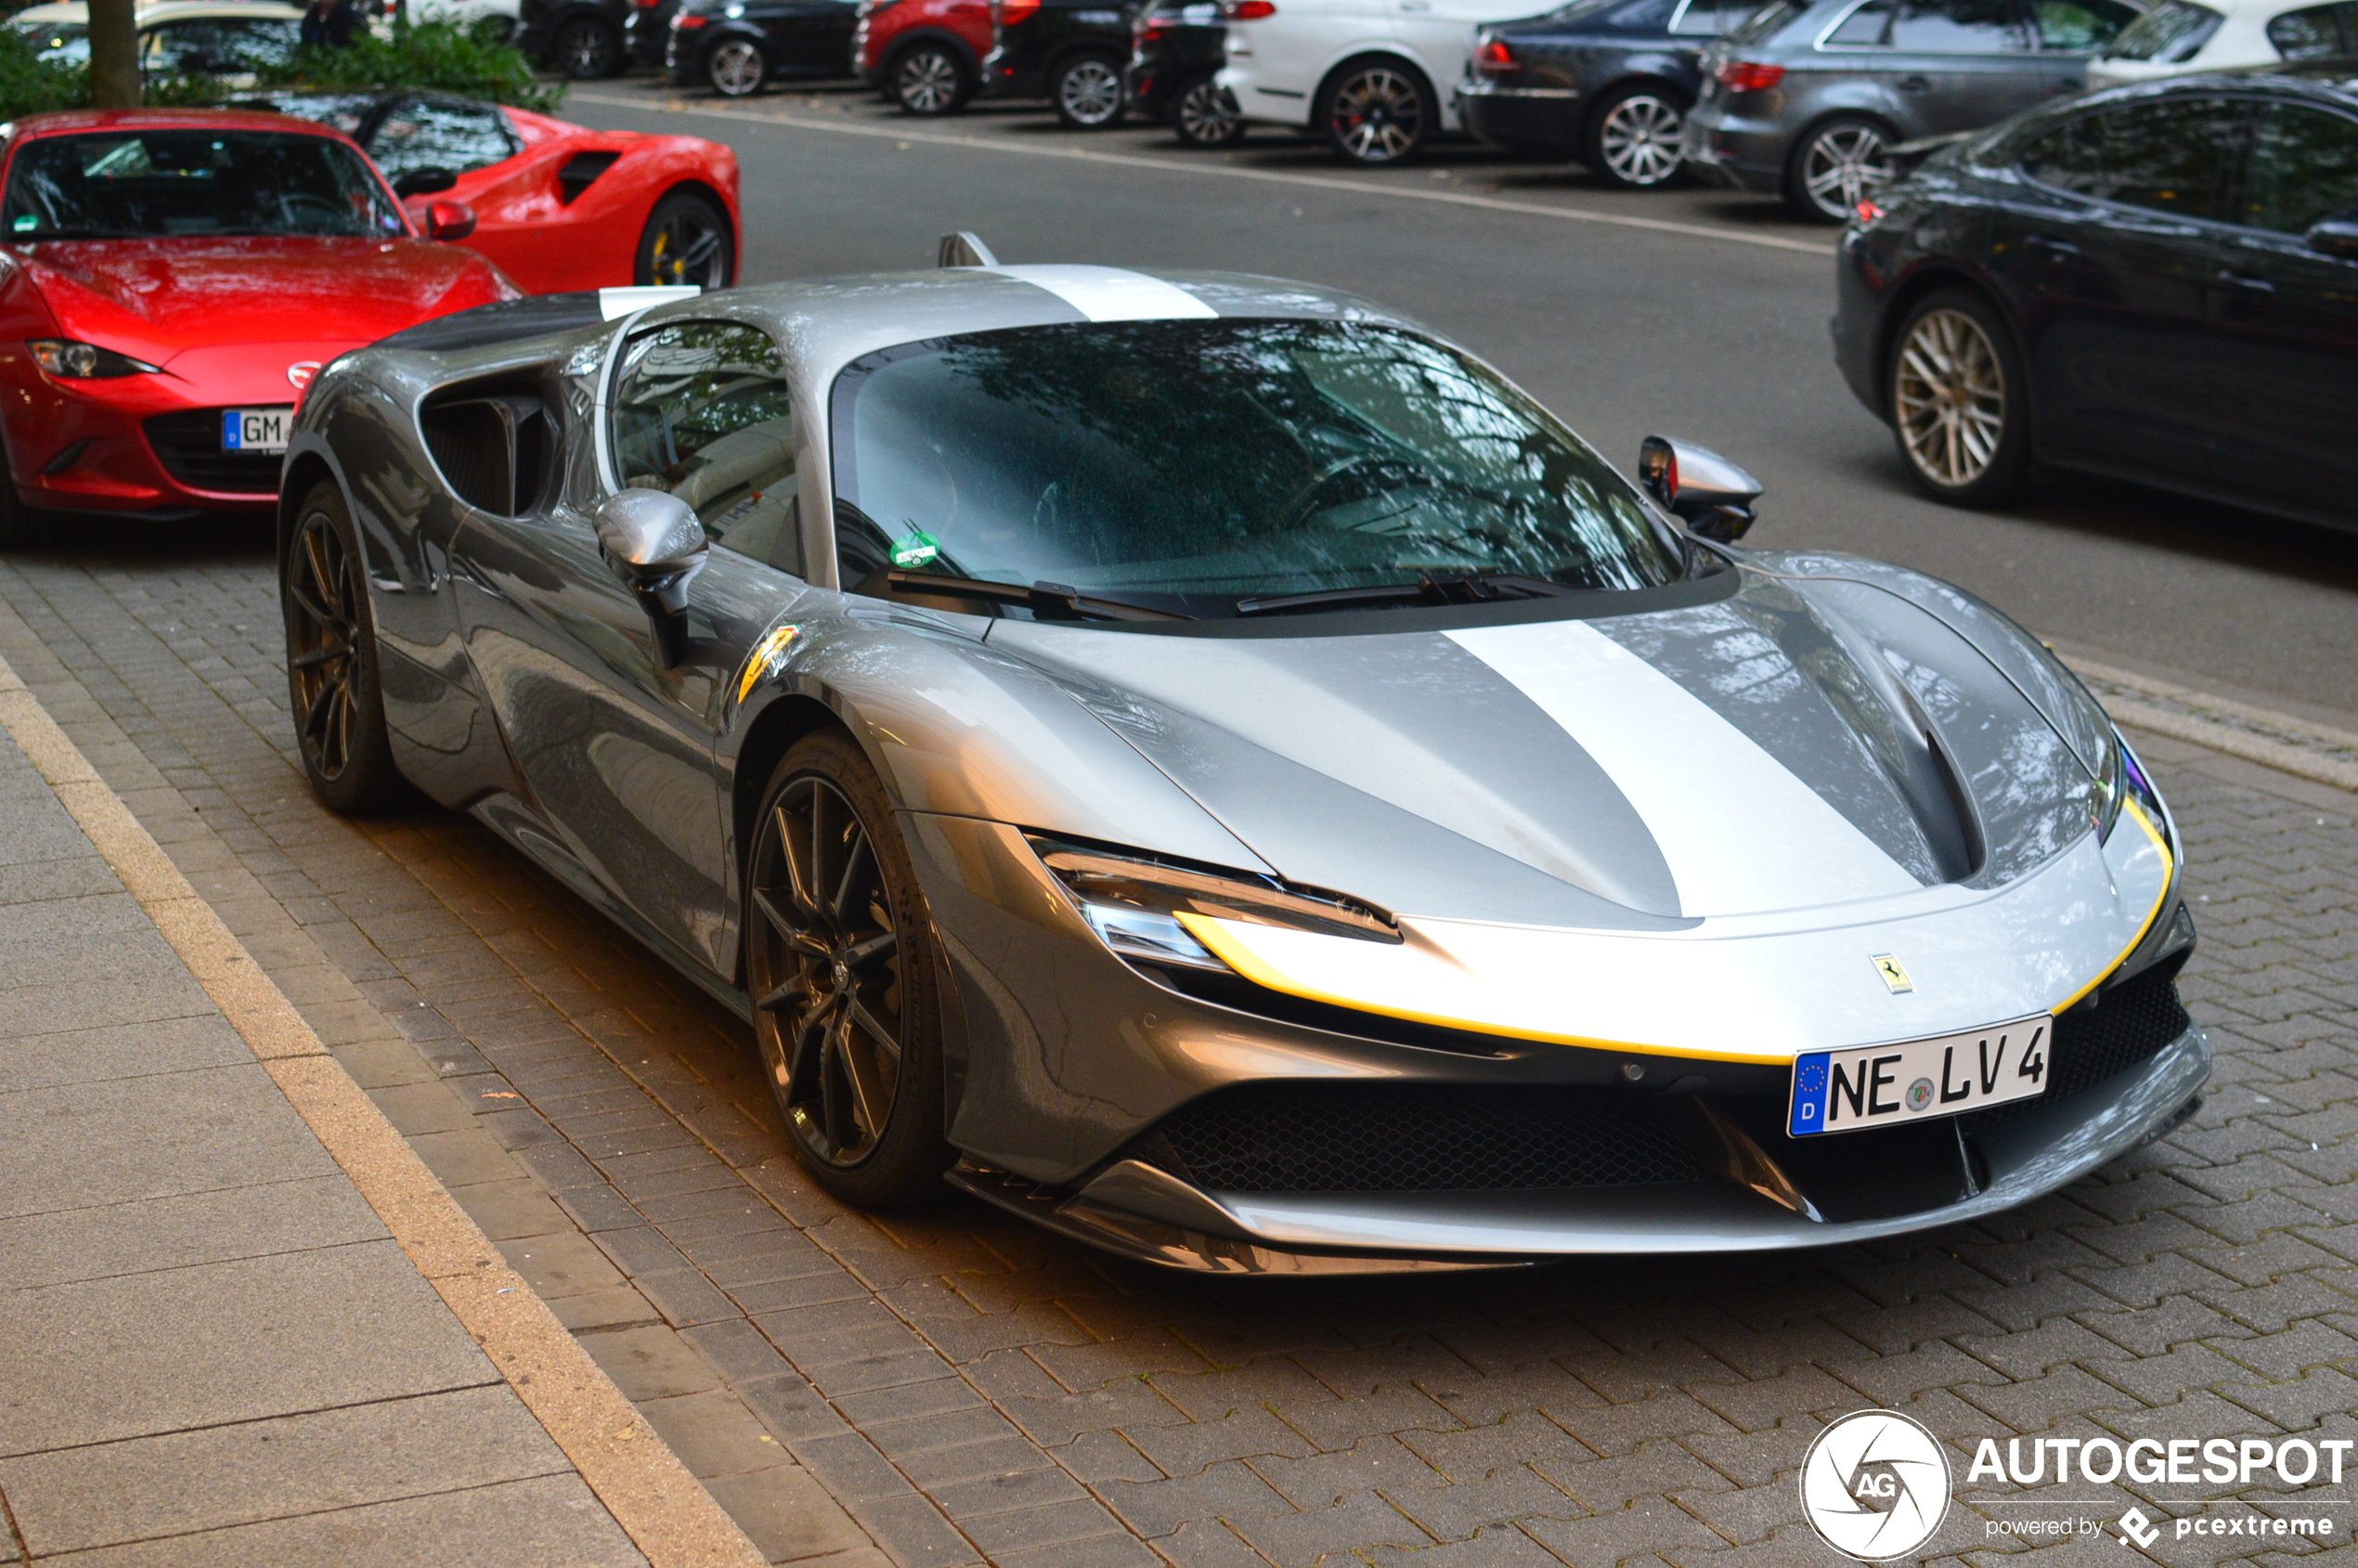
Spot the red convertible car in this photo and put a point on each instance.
(559, 206)
(170, 281)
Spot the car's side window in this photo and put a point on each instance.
(1636, 16)
(2316, 33)
(2169, 157)
(704, 410)
(1938, 27)
(440, 134)
(1704, 18)
(2303, 167)
(2081, 26)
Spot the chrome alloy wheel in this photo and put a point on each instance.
(826, 972)
(1205, 116)
(1641, 140)
(587, 50)
(736, 68)
(926, 81)
(1949, 399)
(1089, 93)
(1845, 163)
(1378, 115)
(323, 584)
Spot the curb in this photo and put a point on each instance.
(664, 1509)
(2314, 752)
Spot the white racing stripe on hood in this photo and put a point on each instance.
(1111, 294)
(1741, 835)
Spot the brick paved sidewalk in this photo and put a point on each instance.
(211, 1350)
(958, 1387)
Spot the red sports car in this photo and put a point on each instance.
(559, 206)
(170, 281)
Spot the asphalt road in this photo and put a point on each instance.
(1712, 327)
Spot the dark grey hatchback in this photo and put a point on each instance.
(1808, 96)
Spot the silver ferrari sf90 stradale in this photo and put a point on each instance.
(1210, 766)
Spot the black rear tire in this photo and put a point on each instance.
(587, 49)
(1203, 115)
(928, 79)
(332, 681)
(736, 67)
(1086, 91)
(1378, 111)
(1959, 401)
(844, 969)
(687, 240)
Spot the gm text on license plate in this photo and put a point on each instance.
(254, 430)
(1883, 1085)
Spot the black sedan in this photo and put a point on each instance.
(1607, 81)
(1070, 52)
(738, 46)
(2157, 283)
(1176, 49)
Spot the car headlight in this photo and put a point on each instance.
(2124, 781)
(84, 361)
(1134, 903)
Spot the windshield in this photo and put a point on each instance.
(108, 185)
(2169, 33)
(1184, 465)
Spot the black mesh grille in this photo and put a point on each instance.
(2130, 1023)
(188, 445)
(1416, 1137)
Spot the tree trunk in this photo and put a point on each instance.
(114, 55)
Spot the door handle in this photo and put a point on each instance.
(2243, 281)
(1915, 83)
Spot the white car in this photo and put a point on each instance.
(2179, 36)
(227, 40)
(1366, 74)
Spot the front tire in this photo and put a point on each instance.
(1838, 164)
(842, 966)
(1086, 91)
(1959, 401)
(332, 662)
(1378, 112)
(736, 68)
(687, 240)
(1633, 140)
(1203, 115)
(587, 49)
(930, 80)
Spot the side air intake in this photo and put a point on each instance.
(494, 449)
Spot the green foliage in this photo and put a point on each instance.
(437, 56)
(32, 85)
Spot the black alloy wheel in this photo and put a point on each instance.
(1635, 139)
(737, 67)
(588, 49)
(332, 662)
(1086, 91)
(1836, 165)
(928, 80)
(1956, 393)
(1379, 112)
(840, 962)
(1204, 115)
(687, 240)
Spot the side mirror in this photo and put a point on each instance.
(423, 182)
(1713, 496)
(449, 220)
(653, 543)
(2336, 236)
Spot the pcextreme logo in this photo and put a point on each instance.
(1874, 1485)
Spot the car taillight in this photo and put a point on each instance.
(1866, 213)
(1147, 31)
(1749, 76)
(1494, 58)
(1006, 13)
(683, 20)
(1251, 10)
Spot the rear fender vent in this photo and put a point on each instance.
(581, 171)
(494, 449)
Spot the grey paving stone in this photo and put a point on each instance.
(145, 1353)
(140, 1050)
(165, 1233)
(194, 1131)
(106, 1493)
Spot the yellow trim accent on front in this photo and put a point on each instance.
(2169, 875)
(1245, 962)
(764, 652)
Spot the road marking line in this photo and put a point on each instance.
(1131, 161)
(664, 1509)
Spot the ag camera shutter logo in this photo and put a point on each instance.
(1874, 1485)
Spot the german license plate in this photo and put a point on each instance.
(1883, 1086)
(254, 430)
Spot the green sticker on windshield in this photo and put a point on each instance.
(25, 221)
(915, 550)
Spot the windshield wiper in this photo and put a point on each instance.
(1048, 602)
(1474, 588)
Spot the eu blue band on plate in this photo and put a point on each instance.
(1809, 1079)
(231, 430)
